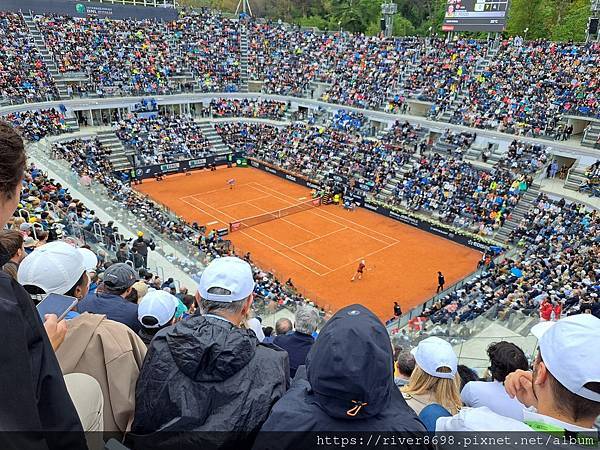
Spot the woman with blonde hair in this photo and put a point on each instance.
(435, 378)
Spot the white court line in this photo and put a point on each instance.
(266, 235)
(319, 237)
(245, 201)
(281, 253)
(337, 217)
(212, 223)
(286, 220)
(217, 190)
(257, 240)
(362, 257)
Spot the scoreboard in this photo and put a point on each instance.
(476, 15)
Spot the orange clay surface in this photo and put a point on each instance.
(319, 248)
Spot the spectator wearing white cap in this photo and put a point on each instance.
(562, 392)
(106, 350)
(207, 373)
(157, 310)
(434, 378)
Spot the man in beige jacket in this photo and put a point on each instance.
(107, 350)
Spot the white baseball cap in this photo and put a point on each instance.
(90, 260)
(54, 267)
(229, 273)
(159, 305)
(434, 353)
(539, 329)
(569, 351)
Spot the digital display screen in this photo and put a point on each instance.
(476, 15)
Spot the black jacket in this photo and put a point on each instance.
(297, 345)
(349, 365)
(33, 395)
(205, 375)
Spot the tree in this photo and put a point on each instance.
(572, 27)
(537, 16)
(403, 26)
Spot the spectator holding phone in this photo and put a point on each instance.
(106, 350)
(33, 395)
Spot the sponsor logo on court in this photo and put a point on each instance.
(169, 167)
(477, 244)
(197, 163)
(404, 218)
(290, 177)
(268, 169)
(439, 231)
(312, 185)
(371, 207)
(254, 164)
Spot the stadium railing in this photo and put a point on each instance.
(186, 256)
(470, 339)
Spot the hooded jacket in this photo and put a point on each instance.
(206, 375)
(347, 386)
(111, 353)
(33, 395)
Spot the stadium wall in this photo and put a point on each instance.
(436, 229)
(89, 9)
(144, 172)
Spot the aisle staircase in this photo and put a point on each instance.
(119, 155)
(38, 40)
(244, 60)
(575, 177)
(517, 214)
(217, 144)
(591, 136)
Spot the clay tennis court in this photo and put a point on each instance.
(318, 248)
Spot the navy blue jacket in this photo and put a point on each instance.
(347, 385)
(297, 345)
(114, 307)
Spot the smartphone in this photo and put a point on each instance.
(56, 304)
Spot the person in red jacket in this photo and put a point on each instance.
(546, 309)
(557, 310)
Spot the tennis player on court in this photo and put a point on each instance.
(231, 183)
(359, 270)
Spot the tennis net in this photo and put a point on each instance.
(274, 215)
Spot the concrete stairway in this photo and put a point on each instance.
(575, 177)
(592, 135)
(39, 43)
(525, 204)
(473, 153)
(72, 124)
(118, 157)
(217, 144)
(244, 60)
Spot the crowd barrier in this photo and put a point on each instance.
(144, 172)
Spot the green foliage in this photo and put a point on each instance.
(403, 26)
(561, 20)
(315, 21)
(573, 25)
